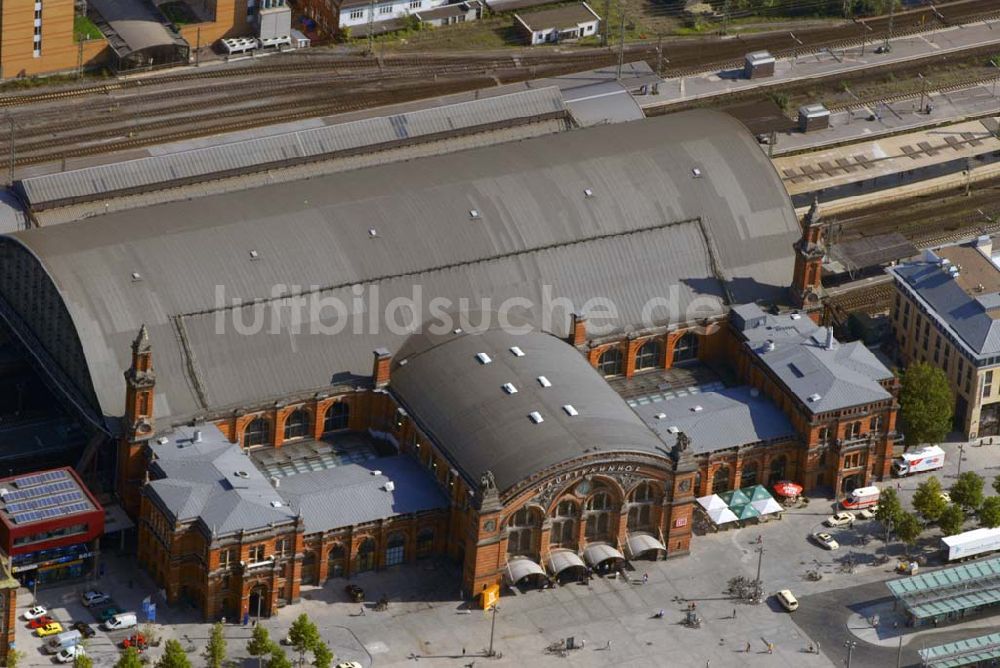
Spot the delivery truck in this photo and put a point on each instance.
(862, 497)
(970, 544)
(929, 458)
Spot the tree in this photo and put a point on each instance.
(989, 512)
(215, 651)
(322, 656)
(173, 656)
(951, 520)
(260, 643)
(14, 658)
(304, 636)
(925, 404)
(996, 484)
(908, 529)
(82, 661)
(968, 491)
(278, 659)
(928, 500)
(128, 659)
(888, 512)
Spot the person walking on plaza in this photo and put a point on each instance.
(734, 613)
(645, 578)
(747, 649)
(608, 646)
(770, 648)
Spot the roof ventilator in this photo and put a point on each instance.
(570, 410)
(660, 416)
(696, 173)
(474, 214)
(136, 276)
(376, 472)
(588, 193)
(536, 417)
(372, 233)
(483, 358)
(276, 504)
(509, 388)
(674, 429)
(544, 382)
(696, 409)
(814, 398)
(389, 486)
(769, 346)
(254, 255)
(516, 351)
(242, 474)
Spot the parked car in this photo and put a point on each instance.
(50, 629)
(39, 622)
(69, 654)
(35, 612)
(355, 593)
(946, 497)
(826, 540)
(94, 597)
(840, 520)
(85, 629)
(348, 664)
(787, 600)
(868, 513)
(108, 613)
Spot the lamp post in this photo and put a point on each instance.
(850, 645)
(961, 456)
(493, 627)
(758, 589)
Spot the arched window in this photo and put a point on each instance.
(643, 492)
(563, 531)
(335, 561)
(640, 517)
(338, 415)
(599, 511)
(778, 469)
(720, 480)
(522, 527)
(297, 424)
(686, 348)
(425, 542)
(599, 501)
(395, 549)
(649, 355)
(257, 432)
(748, 476)
(366, 555)
(611, 362)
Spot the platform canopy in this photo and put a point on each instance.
(561, 560)
(966, 652)
(520, 568)
(639, 543)
(598, 553)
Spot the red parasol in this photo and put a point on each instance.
(787, 488)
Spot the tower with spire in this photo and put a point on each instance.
(807, 285)
(137, 428)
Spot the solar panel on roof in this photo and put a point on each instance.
(38, 479)
(40, 490)
(45, 501)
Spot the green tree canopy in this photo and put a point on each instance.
(968, 491)
(928, 501)
(889, 508)
(951, 520)
(128, 659)
(14, 658)
(989, 512)
(926, 404)
(996, 484)
(322, 656)
(215, 651)
(174, 656)
(82, 661)
(304, 636)
(260, 643)
(908, 528)
(278, 659)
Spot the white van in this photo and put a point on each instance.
(125, 620)
(66, 639)
(787, 600)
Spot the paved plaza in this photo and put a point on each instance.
(427, 624)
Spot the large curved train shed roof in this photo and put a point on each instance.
(651, 228)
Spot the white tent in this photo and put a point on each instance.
(712, 502)
(722, 515)
(767, 506)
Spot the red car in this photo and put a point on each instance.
(138, 641)
(39, 622)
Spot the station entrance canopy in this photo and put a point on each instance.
(949, 592)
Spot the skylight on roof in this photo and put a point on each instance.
(536, 417)
(516, 351)
(814, 397)
(483, 358)
(570, 410)
(544, 382)
(509, 388)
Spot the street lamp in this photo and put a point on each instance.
(850, 645)
(961, 456)
(493, 626)
(758, 589)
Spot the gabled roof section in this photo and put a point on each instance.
(820, 372)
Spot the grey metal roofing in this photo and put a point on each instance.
(565, 16)
(13, 217)
(460, 403)
(729, 418)
(964, 652)
(847, 375)
(651, 231)
(214, 483)
(136, 23)
(950, 590)
(965, 317)
(352, 494)
(102, 181)
(873, 251)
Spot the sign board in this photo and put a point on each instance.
(681, 522)
(490, 596)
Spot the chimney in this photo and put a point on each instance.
(578, 329)
(197, 436)
(829, 338)
(275, 481)
(380, 367)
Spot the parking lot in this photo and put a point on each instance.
(426, 619)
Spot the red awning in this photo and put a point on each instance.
(787, 488)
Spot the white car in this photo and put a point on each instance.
(35, 612)
(348, 664)
(868, 513)
(826, 540)
(787, 600)
(94, 597)
(840, 520)
(69, 654)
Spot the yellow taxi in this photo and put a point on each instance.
(49, 629)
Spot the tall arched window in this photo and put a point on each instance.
(649, 355)
(257, 432)
(521, 530)
(611, 362)
(640, 512)
(748, 476)
(599, 517)
(366, 555)
(338, 415)
(395, 549)
(335, 561)
(720, 480)
(777, 469)
(297, 424)
(686, 348)
(425, 542)
(563, 531)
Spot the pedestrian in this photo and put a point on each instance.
(608, 647)
(583, 643)
(760, 539)
(746, 650)
(770, 648)
(645, 578)
(899, 485)
(463, 651)
(362, 613)
(734, 613)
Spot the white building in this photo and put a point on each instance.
(559, 24)
(355, 13)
